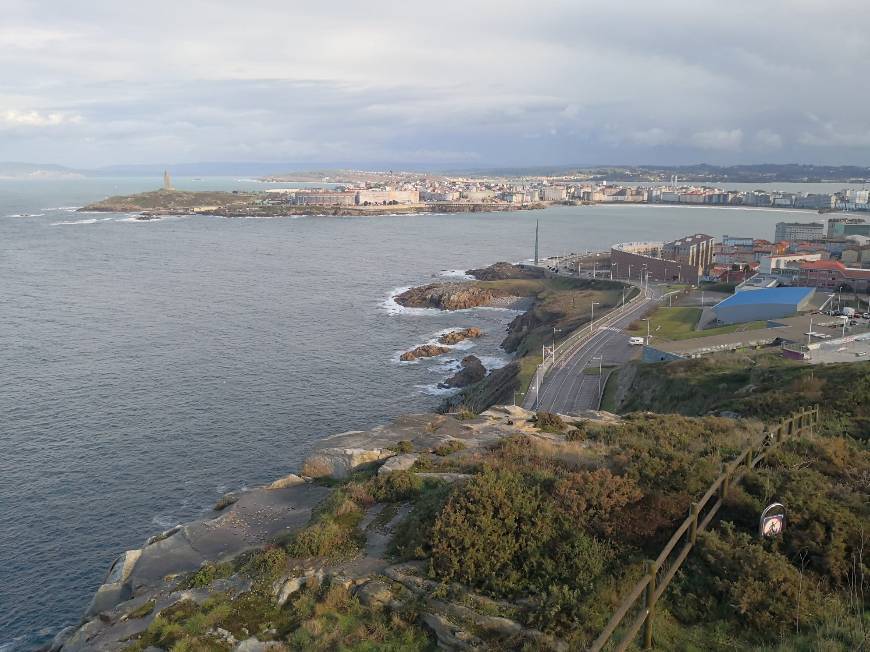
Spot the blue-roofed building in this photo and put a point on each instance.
(761, 304)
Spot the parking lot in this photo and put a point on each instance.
(847, 352)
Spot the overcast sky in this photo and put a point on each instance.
(441, 84)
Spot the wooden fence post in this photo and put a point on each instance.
(693, 528)
(650, 605)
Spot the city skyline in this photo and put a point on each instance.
(439, 86)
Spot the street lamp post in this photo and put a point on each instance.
(600, 359)
(646, 319)
(555, 330)
(592, 319)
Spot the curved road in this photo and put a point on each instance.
(566, 388)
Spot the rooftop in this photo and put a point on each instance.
(793, 295)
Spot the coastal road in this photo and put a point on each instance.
(567, 388)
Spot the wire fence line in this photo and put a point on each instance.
(642, 598)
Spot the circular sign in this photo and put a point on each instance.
(772, 521)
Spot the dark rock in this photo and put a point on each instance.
(448, 296)
(472, 371)
(425, 351)
(454, 337)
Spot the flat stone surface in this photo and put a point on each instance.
(257, 517)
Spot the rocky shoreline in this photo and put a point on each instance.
(143, 583)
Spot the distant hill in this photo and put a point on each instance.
(700, 173)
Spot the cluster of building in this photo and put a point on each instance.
(853, 200)
(422, 191)
(343, 197)
(407, 188)
(832, 256)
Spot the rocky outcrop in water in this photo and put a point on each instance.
(455, 337)
(472, 371)
(503, 271)
(448, 296)
(425, 351)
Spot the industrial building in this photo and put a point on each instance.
(763, 304)
(683, 260)
(695, 251)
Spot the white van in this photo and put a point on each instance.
(634, 341)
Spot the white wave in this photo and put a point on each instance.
(88, 221)
(137, 220)
(62, 208)
(434, 390)
(394, 308)
(446, 366)
(456, 273)
(492, 362)
(27, 215)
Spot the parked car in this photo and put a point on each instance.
(634, 341)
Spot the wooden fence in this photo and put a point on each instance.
(661, 571)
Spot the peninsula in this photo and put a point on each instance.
(165, 201)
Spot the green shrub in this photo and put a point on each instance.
(413, 536)
(735, 574)
(265, 566)
(403, 446)
(520, 543)
(325, 538)
(449, 447)
(395, 487)
(207, 574)
(549, 422)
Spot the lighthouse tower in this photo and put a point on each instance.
(167, 181)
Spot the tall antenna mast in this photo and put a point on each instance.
(537, 226)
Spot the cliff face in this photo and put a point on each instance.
(498, 387)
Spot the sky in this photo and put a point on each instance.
(441, 84)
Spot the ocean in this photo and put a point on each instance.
(149, 367)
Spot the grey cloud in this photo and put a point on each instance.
(502, 83)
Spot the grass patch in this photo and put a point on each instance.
(679, 324)
(449, 447)
(403, 446)
(143, 610)
(208, 574)
(320, 618)
(611, 387)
